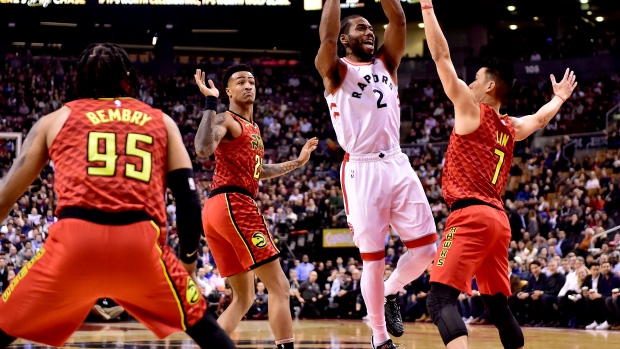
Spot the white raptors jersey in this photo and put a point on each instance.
(365, 108)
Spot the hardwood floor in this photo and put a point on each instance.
(335, 334)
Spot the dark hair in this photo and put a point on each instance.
(345, 24)
(102, 70)
(233, 69)
(501, 71)
(536, 263)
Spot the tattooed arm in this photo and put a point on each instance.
(26, 167)
(276, 170)
(212, 129)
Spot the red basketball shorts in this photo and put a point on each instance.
(237, 234)
(475, 243)
(81, 262)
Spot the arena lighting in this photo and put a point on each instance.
(11, 25)
(536, 18)
(385, 26)
(599, 19)
(169, 26)
(511, 8)
(513, 27)
(155, 39)
(583, 1)
(421, 25)
(59, 24)
(589, 13)
(107, 25)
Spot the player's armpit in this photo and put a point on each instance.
(26, 168)
(213, 127)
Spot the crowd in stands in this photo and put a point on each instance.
(557, 202)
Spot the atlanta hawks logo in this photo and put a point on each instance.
(259, 240)
(257, 143)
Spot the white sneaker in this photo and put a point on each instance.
(471, 318)
(591, 326)
(603, 326)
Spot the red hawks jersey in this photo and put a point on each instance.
(111, 155)
(239, 162)
(477, 164)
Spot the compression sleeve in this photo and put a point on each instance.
(189, 222)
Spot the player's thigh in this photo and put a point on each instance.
(411, 214)
(462, 249)
(222, 236)
(54, 291)
(160, 294)
(492, 275)
(367, 203)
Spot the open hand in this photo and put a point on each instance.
(308, 148)
(564, 89)
(200, 81)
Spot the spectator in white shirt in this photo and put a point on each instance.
(593, 182)
(34, 216)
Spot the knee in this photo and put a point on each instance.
(245, 301)
(426, 252)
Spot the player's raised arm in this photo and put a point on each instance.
(456, 89)
(276, 170)
(327, 60)
(213, 126)
(180, 179)
(562, 90)
(394, 40)
(27, 166)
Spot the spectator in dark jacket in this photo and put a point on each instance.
(555, 282)
(531, 297)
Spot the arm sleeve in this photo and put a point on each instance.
(189, 223)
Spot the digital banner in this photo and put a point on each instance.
(46, 3)
(338, 237)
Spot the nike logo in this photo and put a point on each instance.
(192, 254)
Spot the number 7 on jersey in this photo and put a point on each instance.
(498, 168)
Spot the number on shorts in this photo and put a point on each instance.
(498, 168)
(258, 167)
(110, 156)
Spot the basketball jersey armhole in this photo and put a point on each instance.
(234, 140)
(341, 79)
(388, 70)
(51, 148)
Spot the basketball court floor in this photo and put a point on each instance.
(333, 334)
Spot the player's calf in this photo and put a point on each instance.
(441, 305)
(509, 331)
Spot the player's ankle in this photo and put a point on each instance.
(288, 343)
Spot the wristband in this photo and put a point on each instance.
(211, 103)
(563, 100)
(427, 7)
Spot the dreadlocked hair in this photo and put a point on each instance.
(105, 71)
(345, 24)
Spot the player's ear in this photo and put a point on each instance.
(228, 92)
(344, 39)
(490, 86)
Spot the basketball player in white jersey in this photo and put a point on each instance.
(379, 186)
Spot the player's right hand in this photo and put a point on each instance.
(200, 81)
(308, 148)
(564, 89)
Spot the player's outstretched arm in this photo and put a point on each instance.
(213, 126)
(180, 179)
(394, 40)
(27, 166)
(562, 90)
(327, 62)
(456, 89)
(276, 170)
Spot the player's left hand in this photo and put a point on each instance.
(564, 89)
(308, 148)
(191, 270)
(210, 90)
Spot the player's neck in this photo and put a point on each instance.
(245, 112)
(355, 59)
(494, 103)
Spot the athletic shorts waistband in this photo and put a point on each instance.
(104, 218)
(230, 189)
(372, 157)
(460, 204)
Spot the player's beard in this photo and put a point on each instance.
(358, 50)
